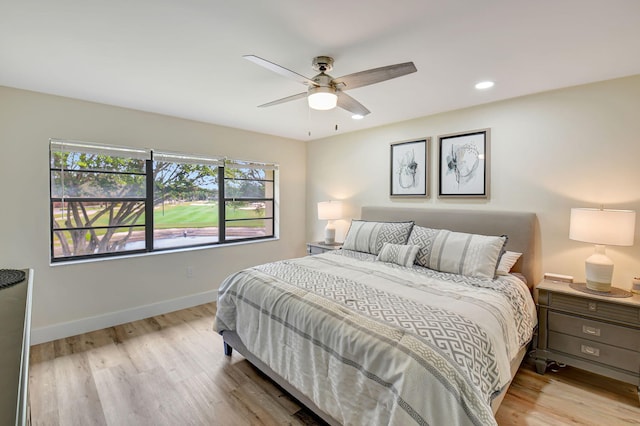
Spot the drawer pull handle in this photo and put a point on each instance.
(591, 331)
(590, 350)
(593, 306)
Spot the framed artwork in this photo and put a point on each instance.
(464, 164)
(410, 168)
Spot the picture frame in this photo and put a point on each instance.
(463, 167)
(409, 168)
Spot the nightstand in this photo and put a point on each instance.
(595, 333)
(321, 247)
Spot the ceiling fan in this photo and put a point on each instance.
(325, 92)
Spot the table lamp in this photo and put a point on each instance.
(329, 211)
(601, 227)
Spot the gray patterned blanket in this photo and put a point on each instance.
(374, 343)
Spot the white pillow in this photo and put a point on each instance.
(472, 255)
(508, 259)
(402, 255)
(369, 237)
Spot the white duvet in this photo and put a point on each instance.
(374, 343)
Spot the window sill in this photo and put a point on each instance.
(161, 252)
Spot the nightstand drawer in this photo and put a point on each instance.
(595, 308)
(315, 250)
(320, 247)
(599, 352)
(596, 331)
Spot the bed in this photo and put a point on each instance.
(395, 328)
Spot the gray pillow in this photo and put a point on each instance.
(472, 255)
(423, 238)
(400, 254)
(369, 237)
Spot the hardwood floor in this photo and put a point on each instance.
(170, 370)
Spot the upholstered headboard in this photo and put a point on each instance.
(521, 228)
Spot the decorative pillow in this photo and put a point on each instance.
(423, 238)
(466, 254)
(508, 259)
(400, 254)
(369, 237)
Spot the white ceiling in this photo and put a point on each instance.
(184, 57)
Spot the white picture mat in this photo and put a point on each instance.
(409, 168)
(463, 165)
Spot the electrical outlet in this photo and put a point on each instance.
(189, 272)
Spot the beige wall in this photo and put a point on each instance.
(576, 147)
(549, 152)
(73, 298)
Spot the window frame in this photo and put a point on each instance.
(222, 195)
(148, 200)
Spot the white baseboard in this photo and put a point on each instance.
(85, 325)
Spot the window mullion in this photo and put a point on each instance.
(222, 218)
(148, 208)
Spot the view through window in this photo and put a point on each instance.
(108, 200)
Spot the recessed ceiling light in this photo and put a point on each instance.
(357, 116)
(484, 85)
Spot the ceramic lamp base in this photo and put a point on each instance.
(329, 234)
(601, 287)
(599, 270)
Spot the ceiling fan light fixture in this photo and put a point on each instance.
(322, 98)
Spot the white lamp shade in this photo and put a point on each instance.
(322, 98)
(329, 210)
(606, 227)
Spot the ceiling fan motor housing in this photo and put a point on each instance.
(322, 63)
(323, 80)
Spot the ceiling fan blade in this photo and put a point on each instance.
(283, 100)
(348, 103)
(280, 70)
(375, 75)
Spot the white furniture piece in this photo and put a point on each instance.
(595, 333)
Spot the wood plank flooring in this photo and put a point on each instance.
(171, 370)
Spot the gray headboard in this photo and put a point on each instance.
(521, 228)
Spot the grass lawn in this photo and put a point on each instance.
(194, 215)
(190, 215)
(184, 215)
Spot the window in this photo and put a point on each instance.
(109, 201)
(248, 200)
(98, 199)
(186, 197)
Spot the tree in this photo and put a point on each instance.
(98, 196)
(244, 184)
